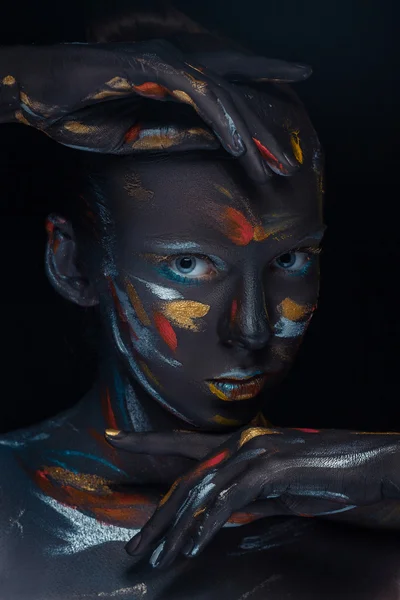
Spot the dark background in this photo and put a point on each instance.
(347, 372)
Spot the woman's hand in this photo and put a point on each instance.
(260, 472)
(89, 96)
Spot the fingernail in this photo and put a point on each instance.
(131, 546)
(115, 434)
(188, 547)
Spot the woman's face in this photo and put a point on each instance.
(208, 285)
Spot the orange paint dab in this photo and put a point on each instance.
(269, 157)
(133, 133)
(239, 230)
(151, 90)
(164, 328)
(234, 310)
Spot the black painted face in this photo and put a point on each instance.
(210, 284)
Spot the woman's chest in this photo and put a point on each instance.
(70, 556)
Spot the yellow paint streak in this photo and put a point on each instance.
(135, 189)
(182, 313)
(80, 128)
(21, 118)
(199, 512)
(183, 97)
(375, 433)
(148, 373)
(137, 304)
(223, 190)
(9, 80)
(199, 131)
(170, 492)
(223, 421)
(197, 84)
(296, 147)
(217, 392)
(106, 94)
(157, 141)
(120, 83)
(261, 233)
(253, 432)
(81, 481)
(289, 309)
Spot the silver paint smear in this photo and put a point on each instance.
(259, 587)
(277, 535)
(81, 532)
(160, 291)
(285, 328)
(156, 554)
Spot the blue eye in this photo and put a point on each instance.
(190, 269)
(295, 262)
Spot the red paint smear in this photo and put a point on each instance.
(121, 313)
(151, 90)
(56, 245)
(239, 230)
(208, 464)
(133, 133)
(306, 430)
(108, 411)
(165, 330)
(234, 310)
(269, 157)
(242, 518)
(125, 509)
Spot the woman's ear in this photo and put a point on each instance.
(61, 263)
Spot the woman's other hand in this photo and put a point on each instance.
(87, 96)
(259, 472)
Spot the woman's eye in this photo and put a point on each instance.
(191, 267)
(292, 261)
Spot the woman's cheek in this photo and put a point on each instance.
(292, 318)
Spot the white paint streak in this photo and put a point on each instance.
(156, 554)
(260, 586)
(160, 291)
(82, 532)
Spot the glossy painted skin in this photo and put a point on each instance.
(76, 498)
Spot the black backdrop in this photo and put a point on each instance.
(346, 374)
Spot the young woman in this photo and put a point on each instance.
(194, 229)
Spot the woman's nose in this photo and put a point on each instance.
(249, 326)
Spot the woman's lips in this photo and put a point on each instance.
(230, 389)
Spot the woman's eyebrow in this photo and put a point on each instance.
(315, 235)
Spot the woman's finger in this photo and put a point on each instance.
(186, 444)
(238, 66)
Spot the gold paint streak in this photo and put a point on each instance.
(83, 481)
(25, 99)
(170, 492)
(137, 304)
(198, 85)
(261, 233)
(223, 421)
(9, 80)
(106, 94)
(21, 118)
(199, 512)
(296, 147)
(157, 141)
(135, 190)
(198, 69)
(148, 373)
(183, 97)
(217, 392)
(253, 432)
(182, 313)
(80, 128)
(223, 190)
(201, 132)
(293, 311)
(120, 84)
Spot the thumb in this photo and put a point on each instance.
(187, 444)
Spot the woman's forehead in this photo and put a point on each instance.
(192, 186)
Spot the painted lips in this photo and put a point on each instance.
(231, 389)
